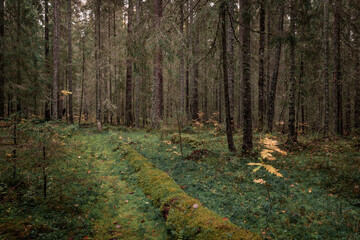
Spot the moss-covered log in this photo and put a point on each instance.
(185, 215)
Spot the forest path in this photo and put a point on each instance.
(122, 210)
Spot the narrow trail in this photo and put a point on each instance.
(121, 210)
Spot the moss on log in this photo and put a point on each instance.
(185, 215)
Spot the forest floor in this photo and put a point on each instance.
(93, 191)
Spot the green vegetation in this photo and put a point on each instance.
(316, 198)
(132, 184)
(91, 192)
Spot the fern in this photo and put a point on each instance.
(270, 146)
(268, 168)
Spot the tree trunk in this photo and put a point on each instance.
(261, 107)
(18, 63)
(241, 34)
(138, 72)
(69, 74)
(357, 92)
(292, 129)
(157, 102)
(47, 61)
(195, 68)
(229, 134)
(231, 60)
(273, 84)
(56, 62)
(247, 111)
(182, 61)
(97, 60)
(2, 64)
(326, 68)
(83, 76)
(338, 118)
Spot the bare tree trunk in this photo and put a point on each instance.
(231, 60)
(98, 72)
(338, 118)
(195, 67)
(268, 58)
(47, 61)
(229, 134)
(273, 84)
(18, 63)
(241, 60)
(56, 62)
(247, 111)
(357, 93)
(292, 129)
(71, 115)
(182, 61)
(326, 68)
(157, 102)
(138, 73)
(261, 107)
(2, 64)
(83, 76)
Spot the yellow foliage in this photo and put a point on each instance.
(65, 92)
(268, 168)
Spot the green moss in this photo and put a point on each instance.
(186, 216)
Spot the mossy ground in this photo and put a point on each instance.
(316, 199)
(93, 191)
(99, 200)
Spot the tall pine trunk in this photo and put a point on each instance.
(357, 94)
(129, 70)
(2, 64)
(18, 61)
(229, 134)
(157, 102)
(182, 61)
(275, 74)
(326, 68)
(56, 61)
(247, 111)
(97, 62)
(69, 74)
(338, 113)
(231, 59)
(261, 107)
(292, 128)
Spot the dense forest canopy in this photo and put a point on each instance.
(288, 64)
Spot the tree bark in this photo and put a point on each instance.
(195, 68)
(229, 134)
(241, 34)
(292, 129)
(2, 64)
(182, 61)
(138, 72)
(18, 61)
(326, 68)
(129, 70)
(97, 62)
(69, 74)
(83, 76)
(157, 101)
(261, 83)
(337, 76)
(56, 61)
(273, 84)
(357, 95)
(247, 111)
(231, 60)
